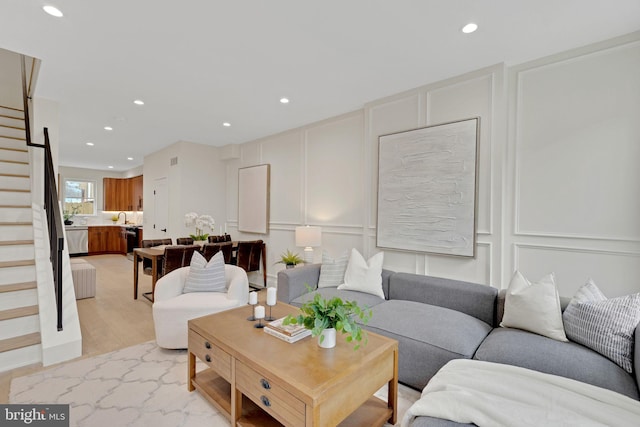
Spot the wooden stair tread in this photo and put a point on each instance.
(15, 175)
(20, 342)
(15, 242)
(20, 263)
(17, 223)
(15, 190)
(14, 313)
(19, 162)
(11, 117)
(18, 287)
(15, 206)
(21, 150)
(12, 127)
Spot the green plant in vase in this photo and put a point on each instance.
(192, 219)
(290, 259)
(320, 315)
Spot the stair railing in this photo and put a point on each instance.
(54, 220)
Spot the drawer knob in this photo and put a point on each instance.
(265, 384)
(265, 401)
(207, 344)
(207, 358)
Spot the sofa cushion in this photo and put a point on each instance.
(428, 336)
(332, 270)
(206, 276)
(604, 325)
(534, 307)
(363, 299)
(473, 299)
(566, 359)
(364, 275)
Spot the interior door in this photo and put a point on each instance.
(161, 207)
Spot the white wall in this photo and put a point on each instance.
(196, 183)
(573, 192)
(558, 186)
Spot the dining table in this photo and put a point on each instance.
(155, 254)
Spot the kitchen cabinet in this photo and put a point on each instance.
(123, 194)
(137, 188)
(107, 239)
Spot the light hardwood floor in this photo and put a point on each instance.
(110, 321)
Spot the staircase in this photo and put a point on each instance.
(20, 340)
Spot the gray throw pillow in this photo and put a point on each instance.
(604, 325)
(332, 270)
(206, 276)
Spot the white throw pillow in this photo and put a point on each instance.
(534, 307)
(364, 276)
(332, 270)
(206, 276)
(604, 325)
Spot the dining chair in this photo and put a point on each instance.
(248, 256)
(177, 256)
(210, 249)
(149, 243)
(184, 241)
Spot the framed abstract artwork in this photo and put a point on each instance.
(253, 199)
(427, 189)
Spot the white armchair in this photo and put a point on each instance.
(172, 309)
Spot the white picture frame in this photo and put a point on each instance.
(427, 189)
(253, 199)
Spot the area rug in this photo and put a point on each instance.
(138, 386)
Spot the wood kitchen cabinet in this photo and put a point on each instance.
(123, 194)
(107, 239)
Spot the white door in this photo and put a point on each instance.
(160, 208)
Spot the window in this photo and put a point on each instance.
(79, 197)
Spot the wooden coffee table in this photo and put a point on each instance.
(258, 380)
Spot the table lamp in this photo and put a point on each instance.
(308, 237)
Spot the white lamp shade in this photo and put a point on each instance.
(308, 236)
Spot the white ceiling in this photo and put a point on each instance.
(199, 63)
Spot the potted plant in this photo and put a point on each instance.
(289, 259)
(327, 317)
(67, 214)
(192, 219)
(114, 218)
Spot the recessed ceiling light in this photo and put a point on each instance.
(108, 128)
(90, 144)
(138, 102)
(129, 158)
(226, 124)
(469, 28)
(53, 11)
(110, 167)
(284, 100)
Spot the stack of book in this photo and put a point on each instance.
(288, 333)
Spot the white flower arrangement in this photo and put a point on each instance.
(200, 222)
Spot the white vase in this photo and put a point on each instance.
(329, 340)
(200, 243)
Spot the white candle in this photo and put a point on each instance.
(258, 312)
(253, 298)
(271, 296)
(225, 228)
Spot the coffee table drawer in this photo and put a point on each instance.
(274, 399)
(212, 355)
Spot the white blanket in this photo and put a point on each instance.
(492, 394)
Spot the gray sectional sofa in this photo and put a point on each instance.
(436, 320)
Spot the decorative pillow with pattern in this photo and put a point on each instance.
(364, 275)
(332, 270)
(534, 307)
(604, 325)
(206, 276)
